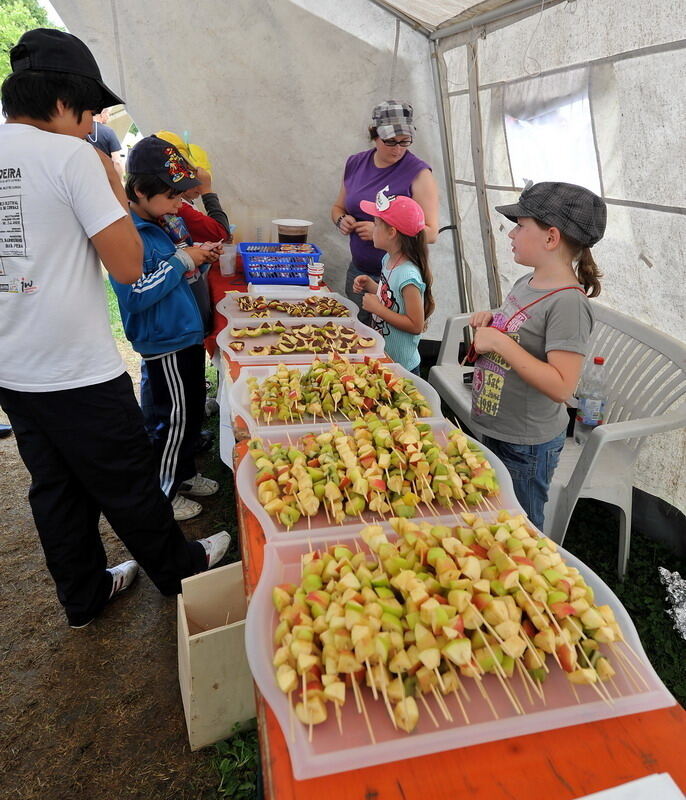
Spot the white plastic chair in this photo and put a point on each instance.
(646, 385)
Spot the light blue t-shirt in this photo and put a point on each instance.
(402, 347)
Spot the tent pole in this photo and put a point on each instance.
(413, 23)
(446, 147)
(489, 16)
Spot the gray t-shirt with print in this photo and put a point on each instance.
(511, 409)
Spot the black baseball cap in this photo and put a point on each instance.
(574, 210)
(50, 50)
(155, 156)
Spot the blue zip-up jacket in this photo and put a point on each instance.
(159, 312)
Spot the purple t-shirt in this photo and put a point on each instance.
(362, 180)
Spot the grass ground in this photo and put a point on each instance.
(592, 537)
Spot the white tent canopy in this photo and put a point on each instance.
(280, 93)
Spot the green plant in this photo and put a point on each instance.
(237, 765)
(113, 311)
(592, 537)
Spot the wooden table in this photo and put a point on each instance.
(559, 764)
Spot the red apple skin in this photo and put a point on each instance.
(522, 560)
(529, 629)
(313, 462)
(458, 624)
(562, 610)
(481, 602)
(478, 550)
(440, 599)
(567, 657)
(345, 482)
(564, 586)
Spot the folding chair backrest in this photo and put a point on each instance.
(645, 370)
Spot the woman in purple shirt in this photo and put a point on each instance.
(389, 166)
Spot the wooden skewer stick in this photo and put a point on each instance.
(357, 690)
(612, 681)
(309, 734)
(440, 702)
(439, 678)
(532, 648)
(628, 676)
(428, 709)
(339, 720)
(574, 692)
(601, 686)
(370, 675)
(291, 715)
(457, 695)
(636, 656)
(628, 662)
(526, 685)
(540, 688)
(485, 695)
(387, 703)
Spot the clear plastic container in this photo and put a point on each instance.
(275, 531)
(244, 357)
(227, 260)
(228, 306)
(239, 400)
(329, 752)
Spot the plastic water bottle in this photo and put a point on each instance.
(592, 398)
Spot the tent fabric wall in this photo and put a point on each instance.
(631, 57)
(280, 94)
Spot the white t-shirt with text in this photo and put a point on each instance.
(54, 327)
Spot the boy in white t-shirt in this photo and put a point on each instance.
(62, 382)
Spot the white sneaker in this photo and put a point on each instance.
(216, 547)
(184, 508)
(123, 575)
(199, 486)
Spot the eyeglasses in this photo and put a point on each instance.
(396, 143)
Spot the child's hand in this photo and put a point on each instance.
(361, 284)
(371, 303)
(205, 180)
(481, 319)
(365, 230)
(200, 255)
(488, 340)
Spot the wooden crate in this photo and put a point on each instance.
(215, 680)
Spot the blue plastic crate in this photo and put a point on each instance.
(266, 262)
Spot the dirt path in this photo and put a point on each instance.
(94, 713)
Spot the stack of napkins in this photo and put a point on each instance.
(653, 787)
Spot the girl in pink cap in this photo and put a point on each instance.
(401, 302)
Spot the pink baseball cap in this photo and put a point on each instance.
(401, 212)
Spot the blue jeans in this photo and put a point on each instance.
(531, 467)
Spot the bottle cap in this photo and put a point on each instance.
(598, 360)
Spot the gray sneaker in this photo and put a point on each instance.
(184, 508)
(216, 547)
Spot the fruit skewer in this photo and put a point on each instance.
(366, 468)
(406, 614)
(335, 387)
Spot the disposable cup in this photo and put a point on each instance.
(315, 275)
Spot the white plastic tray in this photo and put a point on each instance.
(228, 306)
(243, 358)
(329, 752)
(275, 531)
(239, 399)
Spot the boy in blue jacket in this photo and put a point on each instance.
(162, 319)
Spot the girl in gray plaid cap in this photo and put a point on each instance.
(531, 350)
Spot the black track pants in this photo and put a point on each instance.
(87, 452)
(177, 385)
